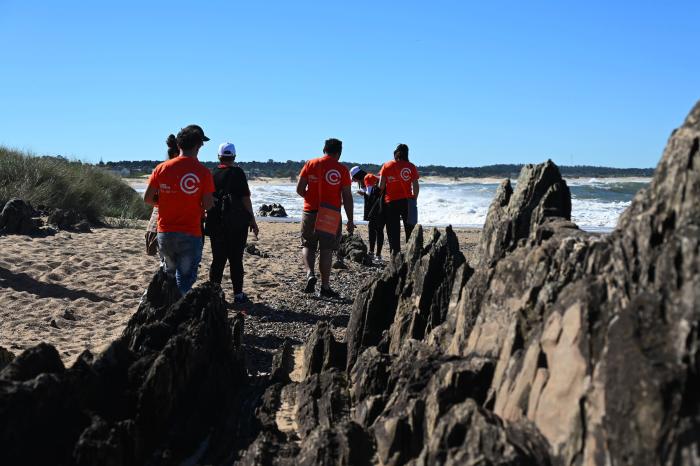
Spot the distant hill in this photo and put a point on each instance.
(290, 169)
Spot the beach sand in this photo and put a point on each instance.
(76, 291)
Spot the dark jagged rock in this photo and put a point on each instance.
(18, 218)
(469, 434)
(541, 192)
(272, 210)
(411, 296)
(352, 247)
(322, 352)
(69, 220)
(343, 444)
(6, 357)
(283, 362)
(323, 400)
(254, 251)
(153, 396)
(40, 420)
(42, 358)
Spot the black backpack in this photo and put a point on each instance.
(228, 214)
(232, 214)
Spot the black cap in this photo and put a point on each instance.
(196, 129)
(190, 135)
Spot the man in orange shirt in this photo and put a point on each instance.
(324, 183)
(182, 187)
(399, 179)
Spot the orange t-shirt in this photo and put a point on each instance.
(326, 179)
(181, 182)
(370, 180)
(399, 175)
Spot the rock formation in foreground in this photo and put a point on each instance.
(168, 389)
(558, 347)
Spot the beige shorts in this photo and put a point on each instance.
(312, 240)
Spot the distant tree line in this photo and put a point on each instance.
(290, 169)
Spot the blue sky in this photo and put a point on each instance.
(462, 83)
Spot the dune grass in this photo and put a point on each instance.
(56, 182)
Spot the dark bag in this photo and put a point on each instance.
(233, 215)
(151, 243)
(376, 199)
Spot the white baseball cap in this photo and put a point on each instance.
(227, 149)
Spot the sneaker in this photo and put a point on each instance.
(310, 284)
(329, 293)
(240, 298)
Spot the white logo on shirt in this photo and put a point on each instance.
(189, 184)
(333, 177)
(406, 174)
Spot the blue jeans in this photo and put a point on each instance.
(181, 256)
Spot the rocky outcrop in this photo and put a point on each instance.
(272, 210)
(69, 220)
(253, 250)
(559, 347)
(20, 218)
(154, 396)
(353, 248)
(411, 296)
(6, 357)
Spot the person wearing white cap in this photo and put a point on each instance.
(229, 220)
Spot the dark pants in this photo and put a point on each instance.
(397, 211)
(229, 247)
(376, 235)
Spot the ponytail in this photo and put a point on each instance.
(173, 150)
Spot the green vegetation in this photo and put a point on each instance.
(55, 182)
(290, 169)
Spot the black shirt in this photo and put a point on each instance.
(227, 180)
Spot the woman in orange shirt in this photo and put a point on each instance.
(399, 180)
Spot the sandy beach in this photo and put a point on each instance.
(77, 291)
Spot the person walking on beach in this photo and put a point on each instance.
(325, 184)
(373, 213)
(399, 180)
(183, 187)
(152, 229)
(229, 220)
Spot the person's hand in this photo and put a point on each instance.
(254, 228)
(350, 227)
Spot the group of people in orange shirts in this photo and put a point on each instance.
(325, 185)
(182, 188)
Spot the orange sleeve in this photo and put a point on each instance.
(304, 173)
(153, 179)
(416, 175)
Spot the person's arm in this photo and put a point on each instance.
(416, 189)
(248, 204)
(348, 205)
(150, 196)
(301, 186)
(382, 183)
(207, 201)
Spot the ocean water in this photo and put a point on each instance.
(596, 203)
